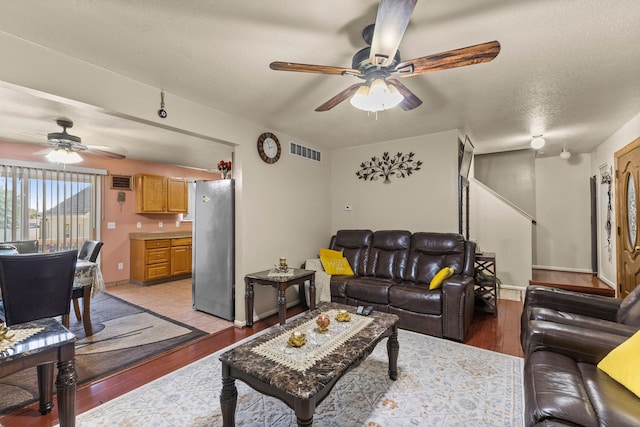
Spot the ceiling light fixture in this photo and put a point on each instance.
(565, 154)
(63, 155)
(376, 97)
(537, 142)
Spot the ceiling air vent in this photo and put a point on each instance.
(306, 152)
(121, 182)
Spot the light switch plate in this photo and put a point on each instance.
(160, 224)
(111, 225)
(138, 224)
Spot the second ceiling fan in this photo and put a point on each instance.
(380, 62)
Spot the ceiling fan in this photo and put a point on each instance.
(380, 63)
(66, 146)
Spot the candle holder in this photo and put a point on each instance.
(282, 267)
(323, 323)
(297, 339)
(343, 316)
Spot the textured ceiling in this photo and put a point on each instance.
(568, 69)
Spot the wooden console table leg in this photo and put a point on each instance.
(248, 301)
(312, 293)
(45, 387)
(66, 389)
(393, 348)
(228, 398)
(282, 305)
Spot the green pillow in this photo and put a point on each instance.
(441, 276)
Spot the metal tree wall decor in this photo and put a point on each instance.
(400, 166)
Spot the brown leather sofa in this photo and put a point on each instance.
(393, 269)
(563, 345)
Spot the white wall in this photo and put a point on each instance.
(424, 201)
(281, 209)
(603, 155)
(499, 228)
(563, 213)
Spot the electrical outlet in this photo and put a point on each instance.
(138, 224)
(160, 224)
(111, 225)
(121, 266)
(177, 223)
(347, 207)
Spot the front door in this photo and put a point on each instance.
(627, 165)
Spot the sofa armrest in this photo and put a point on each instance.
(596, 306)
(580, 344)
(457, 305)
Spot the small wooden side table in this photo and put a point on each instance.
(486, 291)
(281, 283)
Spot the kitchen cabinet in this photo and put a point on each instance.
(155, 260)
(157, 194)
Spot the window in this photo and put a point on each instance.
(58, 208)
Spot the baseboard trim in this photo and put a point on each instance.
(570, 270)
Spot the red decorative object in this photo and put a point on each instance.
(323, 322)
(223, 166)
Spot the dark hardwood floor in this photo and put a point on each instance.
(581, 282)
(499, 333)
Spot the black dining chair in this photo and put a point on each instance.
(37, 286)
(88, 252)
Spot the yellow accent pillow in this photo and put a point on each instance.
(621, 364)
(441, 276)
(334, 265)
(330, 253)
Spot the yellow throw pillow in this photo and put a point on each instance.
(329, 253)
(621, 364)
(441, 276)
(334, 265)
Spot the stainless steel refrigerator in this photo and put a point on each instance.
(213, 276)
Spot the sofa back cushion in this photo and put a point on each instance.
(430, 252)
(389, 254)
(629, 311)
(354, 245)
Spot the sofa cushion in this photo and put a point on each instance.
(354, 245)
(554, 390)
(370, 289)
(629, 312)
(388, 254)
(430, 252)
(416, 298)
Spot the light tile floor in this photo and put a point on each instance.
(170, 299)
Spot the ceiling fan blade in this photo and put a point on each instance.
(104, 153)
(410, 101)
(462, 57)
(308, 68)
(345, 94)
(391, 23)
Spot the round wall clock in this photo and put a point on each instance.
(269, 147)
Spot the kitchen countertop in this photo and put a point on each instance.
(159, 235)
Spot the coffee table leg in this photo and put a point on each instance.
(66, 389)
(228, 398)
(248, 300)
(393, 348)
(282, 305)
(304, 410)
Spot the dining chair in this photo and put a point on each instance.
(88, 252)
(37, 286)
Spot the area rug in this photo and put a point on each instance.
(440, 383)
(123, 334)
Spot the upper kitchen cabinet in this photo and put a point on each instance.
(157, 194)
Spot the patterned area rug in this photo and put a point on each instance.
(123, 334)
(440, 383)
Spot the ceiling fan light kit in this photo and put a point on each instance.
(565, 154)
(381, 61)
(63, 155)
(537, 142)
(378, 97)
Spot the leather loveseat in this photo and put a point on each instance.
(563, 344)
(393, 270)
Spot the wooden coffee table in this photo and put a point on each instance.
(302, 390)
